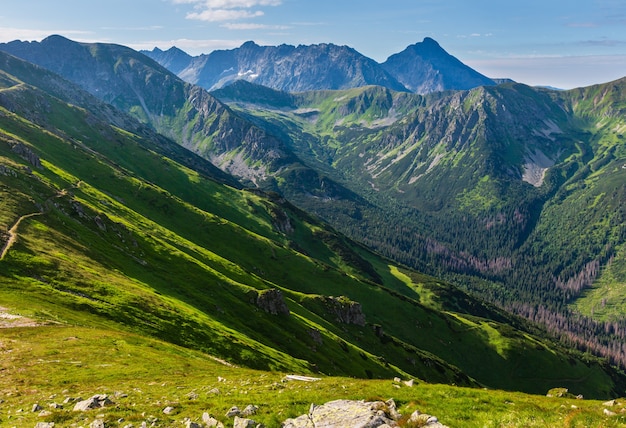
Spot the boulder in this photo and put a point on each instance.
(345, 413)
(95, 402)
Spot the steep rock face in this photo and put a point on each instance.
(285, 67)
(174, 59)
(426, 67)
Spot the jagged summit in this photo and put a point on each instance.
(426, 67)
(284, 67)
(423, 67)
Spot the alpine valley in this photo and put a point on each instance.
(186, 230)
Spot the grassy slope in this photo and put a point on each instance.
(151, 247)
(142, 376)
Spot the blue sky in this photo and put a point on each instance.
(561, 43)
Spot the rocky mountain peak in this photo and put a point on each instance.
(426, 67)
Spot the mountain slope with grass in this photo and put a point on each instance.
(112, 233)
(511, 191)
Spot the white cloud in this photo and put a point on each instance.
(226, 10)
(214, 15)
(229, 4)
(250, 26)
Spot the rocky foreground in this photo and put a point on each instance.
(334, 414)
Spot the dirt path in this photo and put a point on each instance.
(13, 233)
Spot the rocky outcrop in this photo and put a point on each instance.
(345, 310)
(359, 414)
(27, 154)
(272, 302)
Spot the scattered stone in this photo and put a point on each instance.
(191, 424)
(214, 391)
(44, 425)
(36, 408)
(409, 382)
(44, 413)
(56, 406)
(95, 402)
(98, 423)
(392, 410)
(610, 403)
(168, 410)
(560, 393)
(211, 422)
(607, 412)
(424, 420)
(233, 411)
(250, 410)
(244, 423)
(193, 395)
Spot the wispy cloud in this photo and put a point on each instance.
(251, 26)
(582, 25)
(10, 34)
(226, 10)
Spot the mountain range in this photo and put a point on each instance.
(512, 192)
(422, 68)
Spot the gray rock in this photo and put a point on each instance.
(36, 408)
(344, 413)
(233, 411)
(424, 420)
(95, 402)
(190, 424)
(250, 410)
(44, 425)
(244, 423)
(272, 302)
(345, 310)
(168, 410)
(211, 422)
(98, 423)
